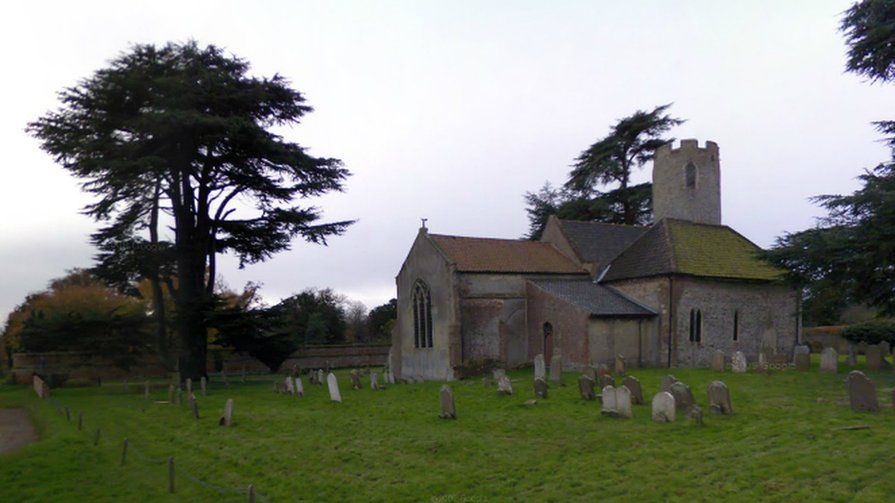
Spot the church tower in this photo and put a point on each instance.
(687, 182)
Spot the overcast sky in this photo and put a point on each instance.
(452, 110)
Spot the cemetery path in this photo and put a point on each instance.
(16, 430)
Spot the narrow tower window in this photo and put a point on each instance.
(422, 315)
(690, 175)
(736, 325)
(695, 325)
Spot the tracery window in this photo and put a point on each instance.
(422, 315)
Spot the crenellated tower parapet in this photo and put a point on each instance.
(687, 182)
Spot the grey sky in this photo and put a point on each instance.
(452, 110)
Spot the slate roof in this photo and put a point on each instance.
(504, 255)
(598, 242)
(681, 247)
(596, 299)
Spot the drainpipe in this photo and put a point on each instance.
(670, 316)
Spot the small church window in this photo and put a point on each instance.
(690, 175)
(695, 326)
(736, 325)
(422, 315)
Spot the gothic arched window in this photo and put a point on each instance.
(695, 325)
(422, 315)
(690, 173)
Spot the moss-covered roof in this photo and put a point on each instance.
(682, 247)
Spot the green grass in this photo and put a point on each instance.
(782, 444)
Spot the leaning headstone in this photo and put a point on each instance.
(873, 355)
(374, 381)
(719, 398)
(448, 410)
(540, 388)
(556, 369)
(40, 387)
(610, 402)
(683, 397)
(738, 362)
(861, 392)
(663, 407)
(829, 360)
(586, 387)
(540, 371)
(605, 380)
(623, 402)
(203, 385)
(355, 379)
(633, 385)
(620, 365)
(718, 361)
(299, 387)
(194, 405)
(852, 359)
(333, 385)
(504, 386)
(227, 418)
(667, 381)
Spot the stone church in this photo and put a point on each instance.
(668, 294)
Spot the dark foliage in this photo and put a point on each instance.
(871, 332)
(381, 319)
(256, 332)
(606, 207)
(869, 28)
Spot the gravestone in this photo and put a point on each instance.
(802, 349)
(355, 379)
(633, 385)
(683, 397)
(620, 366)
(374, 381)
(556, 368)
(299, 387)
(40, 387)
(719, 398)
(873, 355)
(852, 359)
(695, 415)
(227, 418)
(171, 394)
(540, 371)
(718, 361)
(189, 386)
(829, 360)
(448, 410)
(623, 402)
(592, 373)
(605, 380)
(762, 361)
(586, 387)
(540, 388)
(603, 370)
(610, 403)
(667, 381)
(663, 407)
(290, 386)
(738, 362)
(178, 396)
(885, 348)
(146, 390)
(194, 405)
(333, 385)
(203, 385)
(504, 386)
(497, 373)
(224, 378)
(861, 392)
(803, 361)
(320, 377)
(390, 377)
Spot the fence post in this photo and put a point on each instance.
(251, 493)
(80, 420)
(67, 414)
(124, 452)
(96, 438)
(171, 475)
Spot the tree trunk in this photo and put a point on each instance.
(158, 298)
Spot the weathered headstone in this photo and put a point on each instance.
(504, 386)
(390, 377)
(852, 359)
(448, 409)
(299, 387)
(620, 365)
(604, 380)
(803, 361)
(540, 388)
(227, 418)
(683, 397)
(695, 414)
(290, 386)
(333, 385)
(718, 361)
(40, 387)
(719, 398)
(592, 373)
(586, 387)
(667, 381)
(738, 362)
(873, 355)
(885, 348)
(374, 381)
(633, 385)
(171, 394)
(203, 385)
(861, 392)
(603, 369)
(194, 405)
(623, 402)
(540, 371)
(224, 378)
(556, 368)
(496, 373)
(146, 390)
(610, 402)
(355, 379)
(829, 360)
(189, 386)
(178, 396)
(762, 361)
(320, 377)
(663, 407)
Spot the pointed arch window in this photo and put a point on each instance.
(695, 326)
(690, 175)
(422, 315)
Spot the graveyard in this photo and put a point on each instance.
(792, 435)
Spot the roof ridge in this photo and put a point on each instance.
(452, 236)
(594, 222)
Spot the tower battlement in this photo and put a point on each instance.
(687, 182)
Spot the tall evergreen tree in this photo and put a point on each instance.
(186, 129)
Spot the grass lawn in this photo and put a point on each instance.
(784, 443)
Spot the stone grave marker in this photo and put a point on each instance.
(610, 402)
(586, 387)
(623, 402)
(299, 387)
(171, 394)
(667, 381)
(290, 386)
(605, 380)
(633, 385)
(189, 386)
(556, 369)
(718, 360)
(829, 360)
(540, 388)
(695, 415)
(874, 356)
(803, 361)
(448, 410)
(203, 385)
(333, 385)
(496, 373)
(663, 407)
(683, 397)
(146, 390)
(355, 379)
(320, 377)
(852, 359)
(620, 365)
(592, 373)
(540, 371)
(227, 418)
(738, 363)
(719, 398)
(194, 405)
(885, 348)
(603, 369)
(374, 381)
(861, 392)
(40, 387)
(504, 386)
